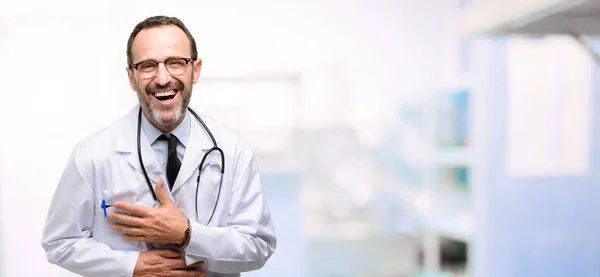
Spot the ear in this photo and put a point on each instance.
(197, 65)
(131, 78)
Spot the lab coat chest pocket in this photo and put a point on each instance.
(124, 186)
(210, 189)
(103, 232)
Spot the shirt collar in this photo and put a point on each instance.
(181, 132)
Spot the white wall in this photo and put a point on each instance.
(63, 77)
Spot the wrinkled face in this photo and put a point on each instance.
(163, 75)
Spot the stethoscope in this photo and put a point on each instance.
(200, 168)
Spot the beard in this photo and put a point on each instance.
(154, 113)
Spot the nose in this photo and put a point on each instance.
(162, 76)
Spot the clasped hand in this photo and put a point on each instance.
(165, 224)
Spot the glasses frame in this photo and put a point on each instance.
(157, 63)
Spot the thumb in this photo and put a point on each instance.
(163, 195)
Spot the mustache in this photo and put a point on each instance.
(174, 84)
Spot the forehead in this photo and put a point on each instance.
(159, 43)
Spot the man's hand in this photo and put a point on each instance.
(164, 262)
(165, 224)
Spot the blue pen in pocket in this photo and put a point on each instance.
(104, 206)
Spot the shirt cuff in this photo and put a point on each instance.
(131, 262)
(192, 259)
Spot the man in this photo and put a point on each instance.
(171, 204)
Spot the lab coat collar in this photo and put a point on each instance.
(199, 143)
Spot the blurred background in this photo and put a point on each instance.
(396, 138)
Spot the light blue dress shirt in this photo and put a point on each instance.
(160, 147)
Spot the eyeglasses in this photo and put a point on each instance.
(175, 67)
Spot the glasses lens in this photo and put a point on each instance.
(176, 66)
(147, 69)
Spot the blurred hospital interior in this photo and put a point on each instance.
(395, 138)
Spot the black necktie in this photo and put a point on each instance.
(173, 162)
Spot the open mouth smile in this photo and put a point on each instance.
(165, 97)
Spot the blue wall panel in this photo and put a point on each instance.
(538, 226)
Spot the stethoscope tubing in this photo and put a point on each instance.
(200, 167)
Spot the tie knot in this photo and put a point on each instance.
(170, 138)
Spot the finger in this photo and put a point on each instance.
(133, 231)
(132, 208)
(188, 273)
(168, 253)
(137, 238)
(197, 264)
(127, 219)
(176, 264)
(162, 193)
(195, 273)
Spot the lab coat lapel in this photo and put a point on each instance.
(128, 145)
(148, 157)
(198, 143)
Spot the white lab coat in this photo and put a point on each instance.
(105, 165)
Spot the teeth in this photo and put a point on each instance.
(164, 93)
